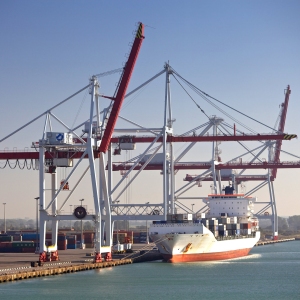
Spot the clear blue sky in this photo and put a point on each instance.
(244, 53)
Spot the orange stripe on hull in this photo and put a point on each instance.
(205, 256)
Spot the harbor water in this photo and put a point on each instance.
(269, 272)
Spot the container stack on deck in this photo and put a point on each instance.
(221, 227)
(229, 226)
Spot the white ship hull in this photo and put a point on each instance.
(187, 242)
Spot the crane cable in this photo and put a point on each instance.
(196, 90)
(80, 107)
(191, 98)
(207, 95)
(28, 166)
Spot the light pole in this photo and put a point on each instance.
(71, 214)
(37, 225)
(147, 236)
(4, 219)
(193, 208)
(81, 242)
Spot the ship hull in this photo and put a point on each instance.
(194, 242)
(179, 258)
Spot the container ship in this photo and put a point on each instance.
(228, 230)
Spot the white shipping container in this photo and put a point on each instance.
(233, 220)
(189, 217)
(127, 246)
(118, 247)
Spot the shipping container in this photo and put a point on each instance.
(245, 225)
(213, 227)
(30, 236)
(223, 233)
(225, 220)
(6, 238)
(229, 226)
(5, 245)
(235, 226)
(231, 232)
(23, 244)
(222, 227)
(233, 220)
(17, 237)
(213, 222)
(127, 246)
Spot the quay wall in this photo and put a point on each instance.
(262, 243)
(61, 270)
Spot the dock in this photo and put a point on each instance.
(18, 266)
(56, 270)
(262, 243)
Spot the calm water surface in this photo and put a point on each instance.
(269, 272)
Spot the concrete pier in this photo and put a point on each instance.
(40, 272)
(262, 243)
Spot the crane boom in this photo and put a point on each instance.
(284, 107)
(118, 101)
(174, 139)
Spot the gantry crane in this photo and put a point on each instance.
(59, 149)
(169, 166)
(99, 141)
